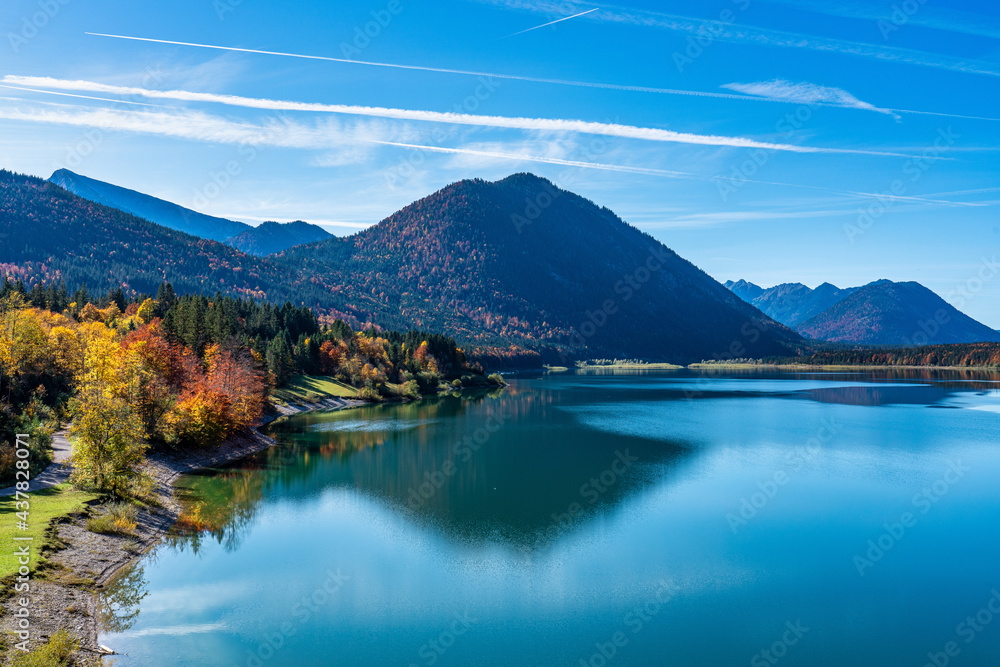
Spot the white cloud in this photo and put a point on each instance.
(803, 93)
(503, 122)
(195, 126)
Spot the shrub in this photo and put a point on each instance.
(496, 379)
(369, 394)
(411, 389)
(54, 652)
(428, 382)
(118, 519)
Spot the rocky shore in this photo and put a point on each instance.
(79, 563)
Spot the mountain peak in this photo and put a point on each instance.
(884, 312)
(522, 260)
(159, 211)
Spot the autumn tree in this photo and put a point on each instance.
(233, 373)
(107, 429)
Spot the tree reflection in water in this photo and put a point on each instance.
(118, 602)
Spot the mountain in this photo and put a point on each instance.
(145, 206)
(743, 289)
(49, 234)
(510, 265)
(521, 260)
(266, 239)
(789, 303)
(888, 313)
(271, 237)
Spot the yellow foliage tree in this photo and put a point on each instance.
(147, 311)
(107, 429)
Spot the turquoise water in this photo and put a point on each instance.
(616, 519)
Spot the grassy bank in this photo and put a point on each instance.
(44, 505)
(312, 388)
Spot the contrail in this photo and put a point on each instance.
(84, 97)
(502, 122)
(544, 25)
(529, 79)
(665, 173)
(440, 70)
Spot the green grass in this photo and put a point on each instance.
(311, 388)
(45, 505)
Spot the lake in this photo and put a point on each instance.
(600, 518)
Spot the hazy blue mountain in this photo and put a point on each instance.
(161, 212)
(790, 303)
(888, 313)
(272, 237)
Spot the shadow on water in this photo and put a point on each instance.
(476, 468)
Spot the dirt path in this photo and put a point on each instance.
(56, 472)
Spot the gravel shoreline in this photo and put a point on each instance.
(64, 591)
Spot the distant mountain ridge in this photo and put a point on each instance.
(273, 237)
(172, 216)
(882, 313)
(506, 267)
(888, 313)
(789, 303)
(268, 238)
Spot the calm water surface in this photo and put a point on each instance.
(621, 519)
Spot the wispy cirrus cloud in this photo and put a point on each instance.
(499, 122)
(199, 126)
(518, 77)
(329, 134)
(804, 93)
(522, 156)
(936, 17)
(737, 33)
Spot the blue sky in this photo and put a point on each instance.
(775, 141)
